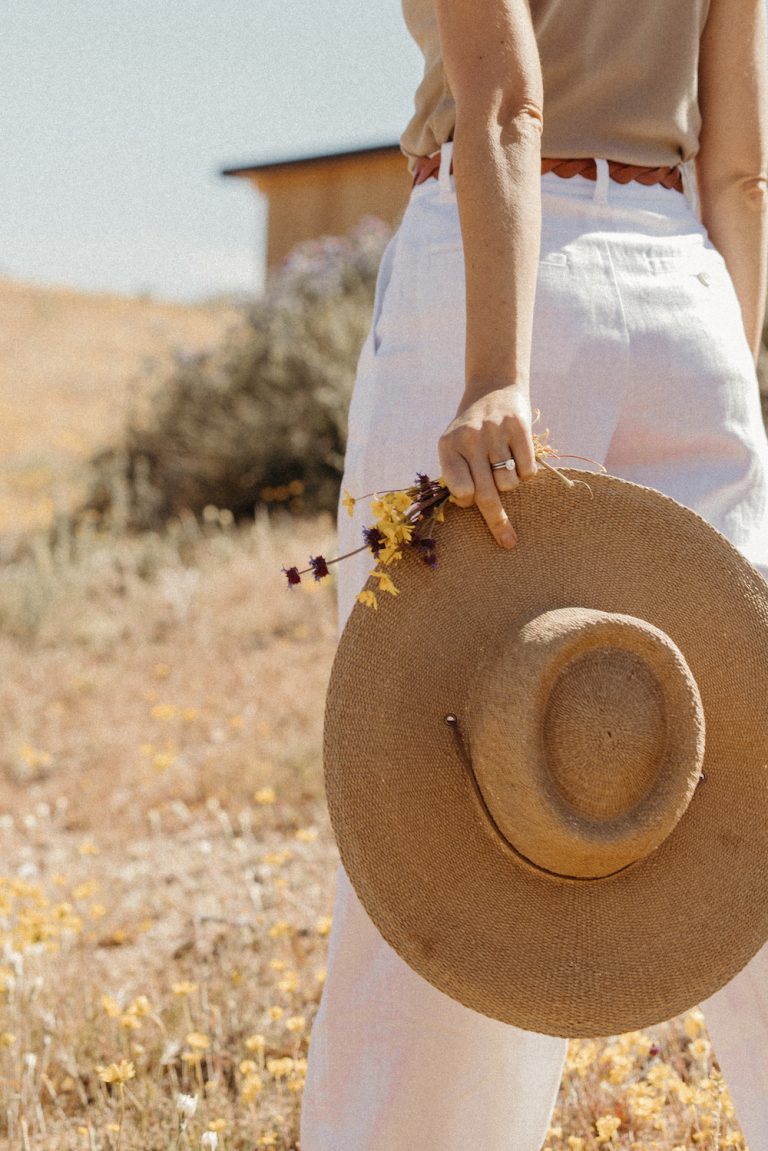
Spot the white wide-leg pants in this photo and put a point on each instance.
(639, 361)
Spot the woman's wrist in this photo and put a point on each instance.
(474, 389)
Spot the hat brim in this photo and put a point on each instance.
(566, 958)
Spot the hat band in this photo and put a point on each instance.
(453, 722)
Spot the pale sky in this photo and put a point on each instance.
(119, 114)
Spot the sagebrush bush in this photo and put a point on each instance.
(263, 417)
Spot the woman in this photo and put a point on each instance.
(630, 314)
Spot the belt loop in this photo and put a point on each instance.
(444, 176)
(690, 189)
(602, 181)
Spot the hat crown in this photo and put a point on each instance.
(586, 739)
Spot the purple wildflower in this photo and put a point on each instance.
(292, 575)
(374, 539)
(319, 566)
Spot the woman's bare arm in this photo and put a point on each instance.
(492, 65)
(732, 162)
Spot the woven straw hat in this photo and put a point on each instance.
(547, 768)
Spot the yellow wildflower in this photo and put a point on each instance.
(117, 1072)
(607, 1126)
(265, 795)
(250, 1089)
(197, 1039)
(110, 1005)
(349, 502)
(385, 583)
(280, 1067)
(699, 1048)
(184, 987)
(282, 927)
(257, 1042)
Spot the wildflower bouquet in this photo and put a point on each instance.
(405, 517)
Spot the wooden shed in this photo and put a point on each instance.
(310, 196)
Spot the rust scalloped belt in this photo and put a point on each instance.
(427, 166)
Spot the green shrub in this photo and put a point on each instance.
(262, 419)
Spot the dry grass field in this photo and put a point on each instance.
(168, 864)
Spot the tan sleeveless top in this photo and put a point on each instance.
(620, 79)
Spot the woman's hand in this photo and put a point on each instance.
(485, 430)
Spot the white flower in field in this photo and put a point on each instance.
(30, 1060)
(186, 1105)
(209, 1141)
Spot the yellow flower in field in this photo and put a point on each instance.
(296, 1023)
(276, 858)
(265, 795)
(607, 1126)
(368, 597)
(117, 1072)
(699, 1048)
(694, 1023)
(198, 1040)
(163, 711)
(276, 1013)
(268, 1140)
(385, 583)
(282, 927)
(163, 760)
(248, 1067)
(7, 1039)
(251, 1088)
(320, 974)
(575, 1143)
(280, 1067)
(349, 502)
(278, 964)
(84, 890)
(184, 987)
(258, 1042)
(289, 984)
(129, 1022)
(217, 1125)
(323, 925)
(88, 847)
(307, 834)
(110, 1006)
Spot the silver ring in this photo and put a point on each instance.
(509, 464)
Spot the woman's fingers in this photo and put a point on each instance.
(489, 503)
(487, 432)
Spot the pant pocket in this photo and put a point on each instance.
(383, 281)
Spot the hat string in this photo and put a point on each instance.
(453, 723)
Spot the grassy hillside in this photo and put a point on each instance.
(68, 362)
